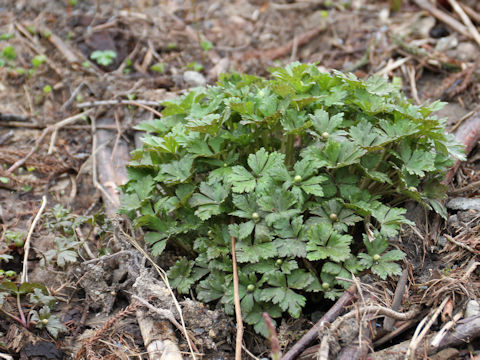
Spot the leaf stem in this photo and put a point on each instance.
(23, 320)
(289, 151)
(12, 316)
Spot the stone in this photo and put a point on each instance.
(467, 51)
(472, 308)
(424, 25)
(446, 43)
(194, 78)
(461, 203)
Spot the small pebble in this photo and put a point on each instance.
(453, 220)
(424, 26)
(442, 241)
(439, 31)
(194, 78)
(446, 43)
(461, 203)
(466, 51)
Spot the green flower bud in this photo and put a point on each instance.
(250, 288)
(376, 257)
(325, 135)
(255, 216)
(333, 217)
(325, 285)
(297, 178)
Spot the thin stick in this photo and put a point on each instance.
(397, 299)
(391, 335)
(472, 186)
(238, 309)
(462, 119)
(145, 104)
(463, 246)
(443, 331)
(363, 311)
(18, 124)
(54, 128)
(346, 299)
(275, 53)
(380, 310)
(470, 12)
(466, 20)
(419, 335)
(26, 247)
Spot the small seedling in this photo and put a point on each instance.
(47, 89)
(31, 29)
(38, 60)
(16, 238)
(172, 46)
(5, 257)
(6, 36)
(103, 57)
(195, 66)
(158, 67)
(206, 45)
(9, 53)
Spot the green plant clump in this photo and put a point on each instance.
(299, 169)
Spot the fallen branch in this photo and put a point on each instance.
(346, 299)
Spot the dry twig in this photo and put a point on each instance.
(26, 247)
(147, 105)
(463, 246)
(421, 330)
(348, 297)
(238, 308)
(443, 17)
(397, 299)
(53, 128)
(275, 53)
(466, 20)
(358, 313)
